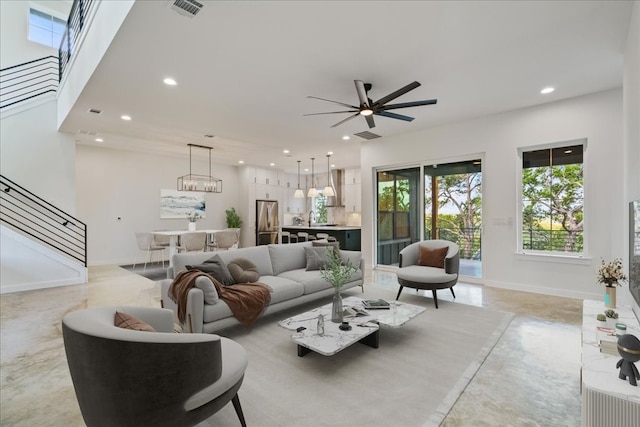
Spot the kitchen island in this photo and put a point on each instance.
(348, 236)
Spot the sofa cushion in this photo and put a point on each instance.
(208, 289)
(432, 257)
(243, 270)
(126, 321)
(421, 274)
(215, 267)
(317, 258)
(259, 255)
(288, 257)
(282, 289)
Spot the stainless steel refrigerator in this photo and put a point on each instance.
(266, 222)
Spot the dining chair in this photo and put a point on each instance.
(147, 244)
(226, 239)
(192, 242)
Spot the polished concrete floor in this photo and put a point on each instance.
(531, 378)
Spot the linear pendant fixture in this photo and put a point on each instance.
(312, 191)
(299, 194)
(202, 183)
(328, 190)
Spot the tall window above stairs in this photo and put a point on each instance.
(45, 28)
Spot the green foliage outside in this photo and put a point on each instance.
(553, 212)
(320, 208)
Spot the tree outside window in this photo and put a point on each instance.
(553, 199)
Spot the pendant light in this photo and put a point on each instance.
(299, 194)
(312, 191)
(203, 183)
(328, 190)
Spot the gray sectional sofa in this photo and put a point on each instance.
(281, 267)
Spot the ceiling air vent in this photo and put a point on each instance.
(367, 135)
(87, 132)
(189, 8)
(95, 111)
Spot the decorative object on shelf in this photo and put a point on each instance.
(203, 183)
(610, 274)
(629, 349)
(602, 320)
(336, 272)
(320, 325)
(328, 190)
(621, 329)
(193, 216)
(299, 194)
(312, 190)
(233, 219)
(612, 318)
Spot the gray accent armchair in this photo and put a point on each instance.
(124, 377)
(415, 276)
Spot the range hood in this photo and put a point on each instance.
(336, 180)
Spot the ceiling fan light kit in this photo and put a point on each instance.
(201, 183)
(368, 108)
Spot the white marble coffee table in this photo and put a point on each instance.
(364, 329)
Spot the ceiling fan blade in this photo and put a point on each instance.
(407, 104)
(370, 121)
(346, 120)
(394, 95)
(331, 112)
(335, 102)
(394, 116)
(362, 93)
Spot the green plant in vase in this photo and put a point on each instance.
(337, 272)
(233, 219)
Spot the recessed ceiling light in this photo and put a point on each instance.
(170, 82)
(330, 153)
(547, 90)
(306, 169)
(241, 162)
(99, 140)
(272, 164)
(125, 117)
(333, 166)
(346, 137)
(285, 151)
(209, 135)
(568, 151)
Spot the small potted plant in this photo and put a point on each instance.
(612, 318)
(193, 216)
(233, 219)
(610, 274)
(336, 272)
(602, 320)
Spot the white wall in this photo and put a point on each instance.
(126, 184)
(34, 155)
(596, 117)
(632, 123)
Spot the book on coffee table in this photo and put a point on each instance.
(372, 304)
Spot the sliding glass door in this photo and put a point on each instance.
(453, 209)
(398, 213)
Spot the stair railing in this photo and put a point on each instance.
(76, 26)
(32, 216)
(27, 80)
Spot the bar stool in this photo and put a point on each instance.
(287, 237)
(303, 236)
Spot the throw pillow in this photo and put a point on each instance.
(215, 267)
(208, 288)
(126, 321)
(317, 257)
(243, 270)
(432, 257)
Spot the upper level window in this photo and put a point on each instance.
(553, 200)
(45, 28)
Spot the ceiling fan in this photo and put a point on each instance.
(369, 108)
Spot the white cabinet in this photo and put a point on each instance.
(351, 176)
(352, 198)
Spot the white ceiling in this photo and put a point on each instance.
(245, 69)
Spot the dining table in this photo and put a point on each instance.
(175, 234)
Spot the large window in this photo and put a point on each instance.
(45, 28)
(553, 199)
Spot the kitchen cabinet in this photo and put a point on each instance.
(352, 191)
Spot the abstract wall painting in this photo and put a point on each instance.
(179, 204)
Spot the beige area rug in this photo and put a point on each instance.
(412, 379)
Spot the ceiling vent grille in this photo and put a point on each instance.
(87, 132)
(367, 135)
(189, 8)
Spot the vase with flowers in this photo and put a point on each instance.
(611, 274)
(337, 272)
(193, 216)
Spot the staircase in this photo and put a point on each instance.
(42, 246)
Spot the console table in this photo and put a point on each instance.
(606, 399)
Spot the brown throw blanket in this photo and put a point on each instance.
(246, 300)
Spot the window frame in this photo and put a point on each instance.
(51, 13)
(555, 256)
